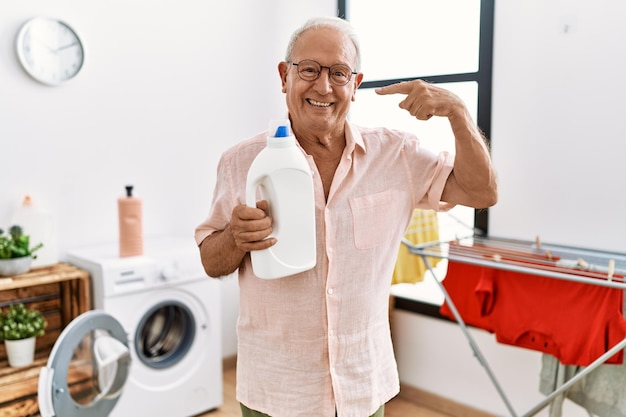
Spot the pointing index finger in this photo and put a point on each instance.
(398, 88)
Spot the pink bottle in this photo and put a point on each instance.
(130, 223)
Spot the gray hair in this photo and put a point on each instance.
(326, 22)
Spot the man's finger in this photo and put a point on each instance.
(263, 205)
(398, 88)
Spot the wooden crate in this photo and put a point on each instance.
(61, 292)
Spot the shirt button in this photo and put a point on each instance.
(330, 291)
(331, 332)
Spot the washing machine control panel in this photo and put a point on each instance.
(166, 262)
(170, 272)
(129, 275)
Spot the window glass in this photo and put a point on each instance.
(406, 38)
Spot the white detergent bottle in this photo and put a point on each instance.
(281, 175)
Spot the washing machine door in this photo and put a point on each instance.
(87, 368)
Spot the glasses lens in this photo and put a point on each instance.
(309, 70)
(340, 74)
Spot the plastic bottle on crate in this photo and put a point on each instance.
(281, 175)
(38, 223)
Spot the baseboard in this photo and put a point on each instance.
(441, 404)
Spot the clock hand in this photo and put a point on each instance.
(66, 46)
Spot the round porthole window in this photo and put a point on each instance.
(87, 368)
(165, 334)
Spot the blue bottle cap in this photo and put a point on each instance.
(281, 132)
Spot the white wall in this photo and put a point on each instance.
(558, 130)
(166, 87)
(540, 129)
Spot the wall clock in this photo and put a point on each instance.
(49, 50)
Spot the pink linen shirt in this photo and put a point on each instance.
(319, 341)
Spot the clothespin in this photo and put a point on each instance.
(581, 263)
(538, 243)
(497, 257)
(548, 255)
(611, 269)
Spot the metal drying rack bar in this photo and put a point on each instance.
(615, 263)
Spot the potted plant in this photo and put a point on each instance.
(16, 253)
(19, 328)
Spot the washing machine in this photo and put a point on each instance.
(169, 311)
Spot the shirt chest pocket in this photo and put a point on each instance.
(376, 218)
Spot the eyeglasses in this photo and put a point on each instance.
(309, 70)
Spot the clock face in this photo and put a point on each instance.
(49, 50)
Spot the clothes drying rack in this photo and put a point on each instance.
(578, 260)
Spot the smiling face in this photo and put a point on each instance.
(319, 107)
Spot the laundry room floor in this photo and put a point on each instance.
(397, 407)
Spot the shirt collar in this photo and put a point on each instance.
(353, 137)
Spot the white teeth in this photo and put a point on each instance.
(318, 103)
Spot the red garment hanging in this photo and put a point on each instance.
(575, 322)
(461, 282)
